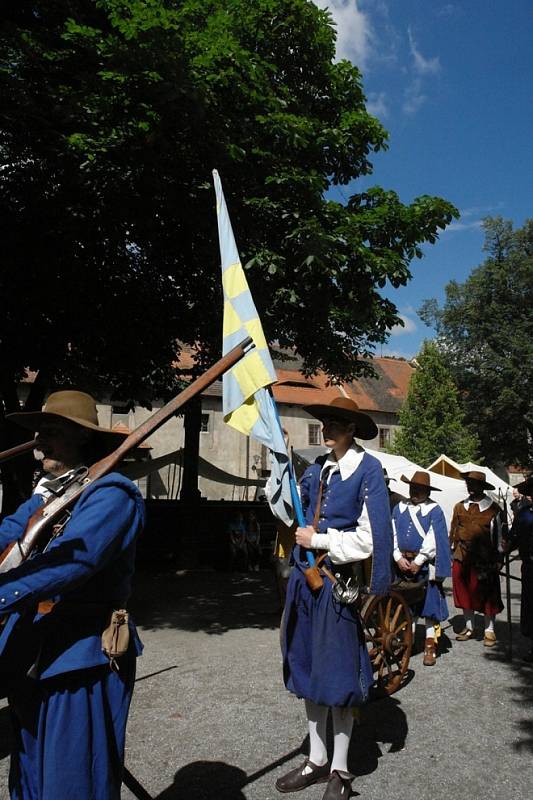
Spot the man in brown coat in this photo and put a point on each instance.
(475, 535)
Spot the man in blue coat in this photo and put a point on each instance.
(69, 702)
(325, 659)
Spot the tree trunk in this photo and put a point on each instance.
(192, 421)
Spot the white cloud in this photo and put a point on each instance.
(354, 31)
(447, 10)
(481, 211)
(464, 226)
(377, 104)
(424, 66)
(409, 326)
(414, 97)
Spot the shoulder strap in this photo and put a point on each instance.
(416, 522)
(323, 481)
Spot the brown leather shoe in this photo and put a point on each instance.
(430, 653)
(295, 780)
(339, 786)
(489, 640)
(465, 635)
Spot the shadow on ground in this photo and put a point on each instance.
(520, 684)
(510, 649)
(207, 780)
(382, 729)
(205, 600)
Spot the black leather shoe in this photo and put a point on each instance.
(295, 780)
(339, 786)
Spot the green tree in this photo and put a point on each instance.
(112, 115)
(431, 419)
(485, 330)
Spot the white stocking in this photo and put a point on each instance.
(342, 732)
(489, 623)
(430, 628)
(317, 717)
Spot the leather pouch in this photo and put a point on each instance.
(313, 577)
(116, 636)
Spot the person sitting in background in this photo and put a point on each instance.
(238, 552)
(253, 542)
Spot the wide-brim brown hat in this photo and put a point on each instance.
(346, 410)
(525, 487)
(422, 479)
(74, 406)
(478, 477)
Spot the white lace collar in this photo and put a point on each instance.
(347, 464)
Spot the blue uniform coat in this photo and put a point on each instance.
(434, 605)
(325, 658)
(70, 716)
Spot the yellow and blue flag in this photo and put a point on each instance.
(247, 404)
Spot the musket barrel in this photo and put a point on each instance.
(45, 517)
(19, 450)
(153, 423)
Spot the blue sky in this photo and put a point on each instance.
(452, 83)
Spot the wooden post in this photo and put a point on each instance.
(190, 492)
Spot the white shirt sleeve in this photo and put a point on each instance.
(428, 551)
(396, 553)
(346, 546)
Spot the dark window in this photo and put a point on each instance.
(313, 433)
(204, 425)
(384, 437)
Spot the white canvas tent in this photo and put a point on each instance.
(453, 490)
(444, 465)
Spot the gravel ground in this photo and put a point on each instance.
(210, 717)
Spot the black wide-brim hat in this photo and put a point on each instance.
(345, 410)
(74, 406)
(478, 477)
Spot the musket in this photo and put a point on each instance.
(57, 509)
(19, 450)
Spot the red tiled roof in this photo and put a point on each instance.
(387, 391)
(295, 389)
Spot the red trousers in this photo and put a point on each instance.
(474, 594)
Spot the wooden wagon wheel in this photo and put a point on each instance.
(387, 622)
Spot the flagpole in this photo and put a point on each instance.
(247, 402)
(296, 500)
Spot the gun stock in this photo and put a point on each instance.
(53, 512)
